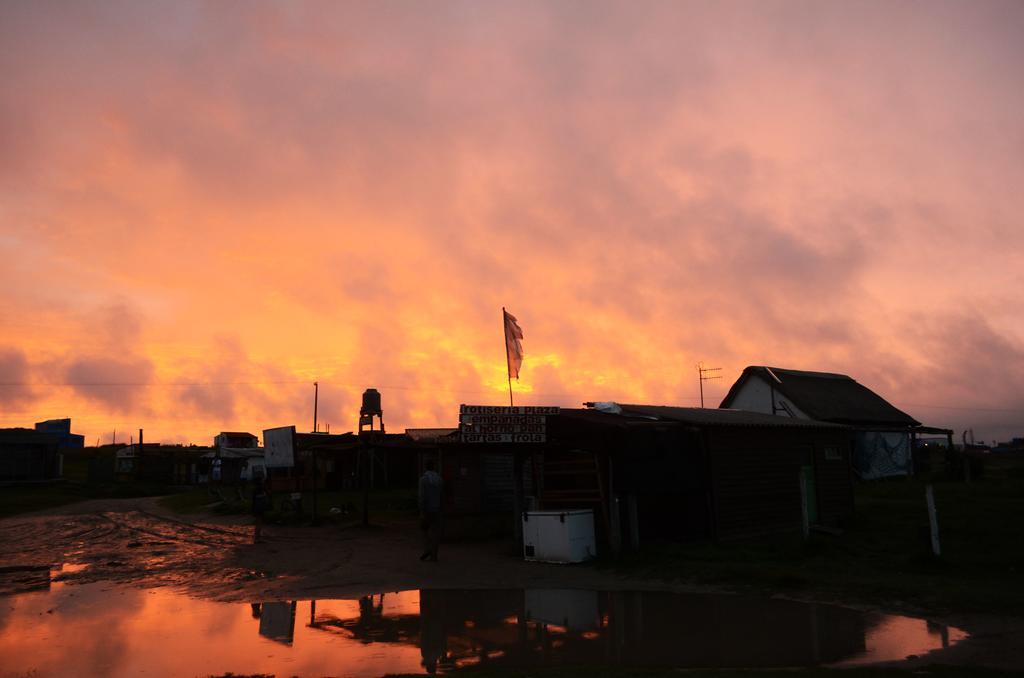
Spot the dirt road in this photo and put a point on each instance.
(139, 543)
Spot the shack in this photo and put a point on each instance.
(660, 473)
(884, 436)
(341, 461)
(687, 473)
(28, 455)
(155, 463)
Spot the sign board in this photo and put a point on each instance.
(279, 447)
(501, 424)
(504, 437)
(496, 423)
(505, 409)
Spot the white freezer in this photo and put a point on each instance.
(559, 536)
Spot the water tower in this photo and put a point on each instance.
(371, 408)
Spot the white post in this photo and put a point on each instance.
(805, 521)
(933, 520)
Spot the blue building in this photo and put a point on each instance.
(61, 428)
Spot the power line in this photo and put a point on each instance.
(151, 383)
(296, 382)
(141, 384)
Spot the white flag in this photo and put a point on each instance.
(513, 344)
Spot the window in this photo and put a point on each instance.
(832, 453)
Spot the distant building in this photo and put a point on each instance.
(235, 439)
(237, 464)
(159, 463)
(884, 436)
(236, 457)
(62, 429)
(29, 455)
(1014, 446)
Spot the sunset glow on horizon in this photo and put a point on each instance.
(206, 207)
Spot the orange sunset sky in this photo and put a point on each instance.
(204, 207)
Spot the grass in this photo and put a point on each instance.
(73, 487)
(883, 557)
(17, 499)
(27, 498)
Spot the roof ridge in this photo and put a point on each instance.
(805, 373)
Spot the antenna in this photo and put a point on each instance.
(703, 373)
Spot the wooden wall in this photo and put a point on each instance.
(756, 478)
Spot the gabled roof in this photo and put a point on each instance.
(825, 396)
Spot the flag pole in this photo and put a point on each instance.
(508, 371)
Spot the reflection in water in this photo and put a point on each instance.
(16, 579)
(575, 627)
(108, 631)
(433, 645)
(277, 621)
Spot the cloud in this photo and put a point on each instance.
(120, 384)
(15, 379)
(350, 193)
(968, 377)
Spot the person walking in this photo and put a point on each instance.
(430, 511)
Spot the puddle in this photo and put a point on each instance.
(107, 630)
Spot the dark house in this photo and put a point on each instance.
(480, 495)
(235, 439)
(154, 463)
(349, 461)
(29, 455)
(663, 473)
(480, 479)
(884, 435)
(687, 473)
(235, 459)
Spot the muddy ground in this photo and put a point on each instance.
(138, 543)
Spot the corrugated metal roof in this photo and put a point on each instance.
(429, 434)
(826, 396)
(239, 452)
(698, 416)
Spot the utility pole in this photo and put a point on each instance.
(316, 518)
(316, 398)
(703, 373)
